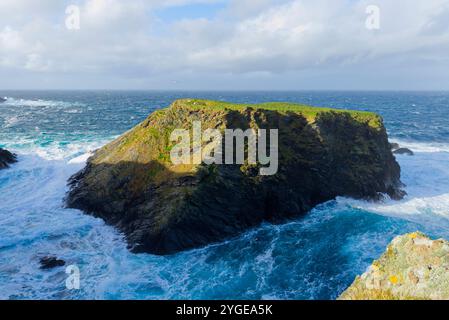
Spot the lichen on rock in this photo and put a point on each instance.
(164, 208)
(414, 267)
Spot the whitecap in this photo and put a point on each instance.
(426, 179)
(432, 147)
(11, 121)
(18, 102)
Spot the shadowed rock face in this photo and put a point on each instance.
(6, 158)
(164, 208)
(414, 267)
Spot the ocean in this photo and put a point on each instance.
(312, 257)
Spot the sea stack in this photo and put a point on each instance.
(6, 158)
(164, 208)
(414, 267)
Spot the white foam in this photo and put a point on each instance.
(81, 159)
(73, 152)
(37, 103)
(423, 146)
(426, 176)
(34, 223)
(11, 121)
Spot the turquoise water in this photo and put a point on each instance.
(315, 257)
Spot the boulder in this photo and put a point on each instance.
(394, 146)
(414, 267)
(51, 263)
(404, 151)
(6, 158)
(164, 208)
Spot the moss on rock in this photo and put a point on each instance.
(164, 208)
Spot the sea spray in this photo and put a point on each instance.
(316, 257)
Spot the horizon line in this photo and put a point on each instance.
(236, 90)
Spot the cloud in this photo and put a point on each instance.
(302, 34)
(124, 40)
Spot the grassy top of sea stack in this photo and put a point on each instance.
(309, 112)
(165, 207)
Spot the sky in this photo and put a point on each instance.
(225, 44)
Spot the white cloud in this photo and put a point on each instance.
(118, 39)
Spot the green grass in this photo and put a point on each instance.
(309, 112)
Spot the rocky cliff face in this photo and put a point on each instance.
(6, 158)
(414, 267)
(164, 208)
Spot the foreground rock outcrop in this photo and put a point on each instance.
(413, 267)
(6, 158)
(164, 208)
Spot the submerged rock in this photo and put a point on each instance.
(6, 158)
(51, 263)
(413, 267)
(404, 151)
(164, 208)
(394, 146)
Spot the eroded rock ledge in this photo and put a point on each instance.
(6, 158)
(414, 267)
(164, 208)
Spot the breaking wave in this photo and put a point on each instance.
(314, 257)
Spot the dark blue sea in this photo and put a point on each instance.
(314, 257)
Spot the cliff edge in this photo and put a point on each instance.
(163, 208)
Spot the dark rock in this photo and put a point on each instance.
(51, 263)
(163, 208)
(394, 146)
(2, 99)
(6, 158)
(403, 151)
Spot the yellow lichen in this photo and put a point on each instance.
(394, 279)
(413, 235)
